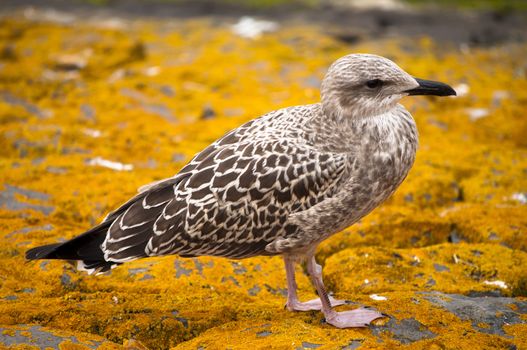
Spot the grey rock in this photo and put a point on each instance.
(180, 270)
(154, 108)
(38, 337)
(146, 277)
(488, 293)
(438, 123)
(136, 271)
(65, 280)
(183, 321)
(43, 265)
(8, 199)
(24, 230)
(354, 344)
(441, 268)
(88, 112)
(312, 82)
(493, 236)
(207, 113)
(276, 291)
(406, 331)
(431, 282)
(28, 193)
(56, 170)
(13, 100)
(308, 345)
(38, 161)
(454, 236)
(160, 110)
(167, 90)
(263, 334)
(476, 252)
(178, 157)
(199, 266)
(254, 290)
(482, 310)
(239, 269)
(230, 278)
(75, 150)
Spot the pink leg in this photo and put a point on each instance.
(360, 317)
(293, 304)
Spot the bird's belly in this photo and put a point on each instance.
(375, 180)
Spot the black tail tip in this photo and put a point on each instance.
(90, 266)
(42, 252)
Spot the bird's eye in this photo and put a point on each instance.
(373, 84)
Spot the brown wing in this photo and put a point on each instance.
(231, 202)
(238, 199)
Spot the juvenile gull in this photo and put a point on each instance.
(277, 185)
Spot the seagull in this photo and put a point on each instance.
(277, 185)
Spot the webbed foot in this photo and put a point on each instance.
(360, 317)
(315, 304)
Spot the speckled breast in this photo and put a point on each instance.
(386, 155)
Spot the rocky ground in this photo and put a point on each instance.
(95, 102)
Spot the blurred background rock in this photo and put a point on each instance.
(100, 97)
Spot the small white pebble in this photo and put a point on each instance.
(92, 133)
(115, 299)
(447, 211)
(377, 297)
(500, 284)
(366, 281)
(416, 259)
(520, 197)
(110, 23)
(462, 89)
(152, 71)
(250, 28)
(383, 5)
(499, 95)
(464, 48)
(477, 113)
(117, 75)
(98, 161)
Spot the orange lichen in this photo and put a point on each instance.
(69, 94)
(460, 268)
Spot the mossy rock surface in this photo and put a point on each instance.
(444, 258)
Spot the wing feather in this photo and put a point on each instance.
(238, 211)
(232, 199)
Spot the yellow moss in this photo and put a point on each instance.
(23, 347)
(10, 332)
(133, 344)
(145, 89)
(460, 268)
(68, 345)
(519, 332)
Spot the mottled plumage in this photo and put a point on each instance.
(277, 185)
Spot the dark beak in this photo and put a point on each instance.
(429, 87)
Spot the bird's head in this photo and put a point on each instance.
(362, 85)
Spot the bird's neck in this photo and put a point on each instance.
(342, 133)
